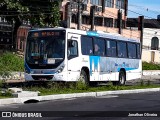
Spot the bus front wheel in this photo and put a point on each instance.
(84, 77)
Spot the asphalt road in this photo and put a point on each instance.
(112, 107)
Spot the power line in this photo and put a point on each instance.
(145, 8)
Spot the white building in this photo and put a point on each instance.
(151, 38)
(151, 45)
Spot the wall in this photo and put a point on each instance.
(149, 55)
(149, 33)
(21, 37)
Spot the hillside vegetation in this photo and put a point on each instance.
(11, 62)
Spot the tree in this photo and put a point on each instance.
(39, 12)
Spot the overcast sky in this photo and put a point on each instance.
(149, 8)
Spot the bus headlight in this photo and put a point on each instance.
(60, 69)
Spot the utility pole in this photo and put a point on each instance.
(140, 27)
(69, 14)
(119, 21)
(92, 12)
(103, 6)
(79, 15)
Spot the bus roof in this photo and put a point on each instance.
(90, 33)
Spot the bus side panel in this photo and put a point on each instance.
(102, 68)
(134, 73)
(132, 68)
(107, 69)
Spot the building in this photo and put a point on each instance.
(21, 37)
(107, 21)
(6, 34)
(151, 37)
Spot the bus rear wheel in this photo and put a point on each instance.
(122, 79)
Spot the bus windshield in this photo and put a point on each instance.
(45, 47)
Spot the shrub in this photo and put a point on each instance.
(150, 66)
(11, 62)
(80, 85)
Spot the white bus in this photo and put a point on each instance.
(63, 54)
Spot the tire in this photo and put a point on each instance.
(122, 79)
(84, 77)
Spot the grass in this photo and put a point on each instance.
(71, 88)
(150, 66)
(65, 88)
(11, 62)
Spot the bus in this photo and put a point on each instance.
(63, 54)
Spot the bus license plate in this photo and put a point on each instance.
(51, 61)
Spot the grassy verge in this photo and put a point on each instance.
(150, 66)
(80, 88)
(59, 88)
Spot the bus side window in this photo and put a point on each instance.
(111, 48)
(99, 46)
(138, 51)
(122, 49)
(131, 50)
(86, 45)
(72, 49)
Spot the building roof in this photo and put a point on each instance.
(148, 23)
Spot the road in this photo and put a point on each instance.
(93, 108)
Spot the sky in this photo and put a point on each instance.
(149, 8)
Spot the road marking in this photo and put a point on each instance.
(107, 96)
(70, 98)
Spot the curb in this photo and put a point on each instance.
(73, 95)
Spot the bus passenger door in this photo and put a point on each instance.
(73, 60)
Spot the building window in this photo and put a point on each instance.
(116, 23)
(21, 45)
(123, 24)
(85, 19)
(96, 2)
(74, 18)
(108, 22)
(109, 3)
(85, 2)
(120, 4)
(98, 21)
(154, 43)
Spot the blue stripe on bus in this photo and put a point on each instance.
(94, 60)
(92, 33)
(27, 67)
(47, 72)
(127, 69)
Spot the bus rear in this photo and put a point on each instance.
(45, 55)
